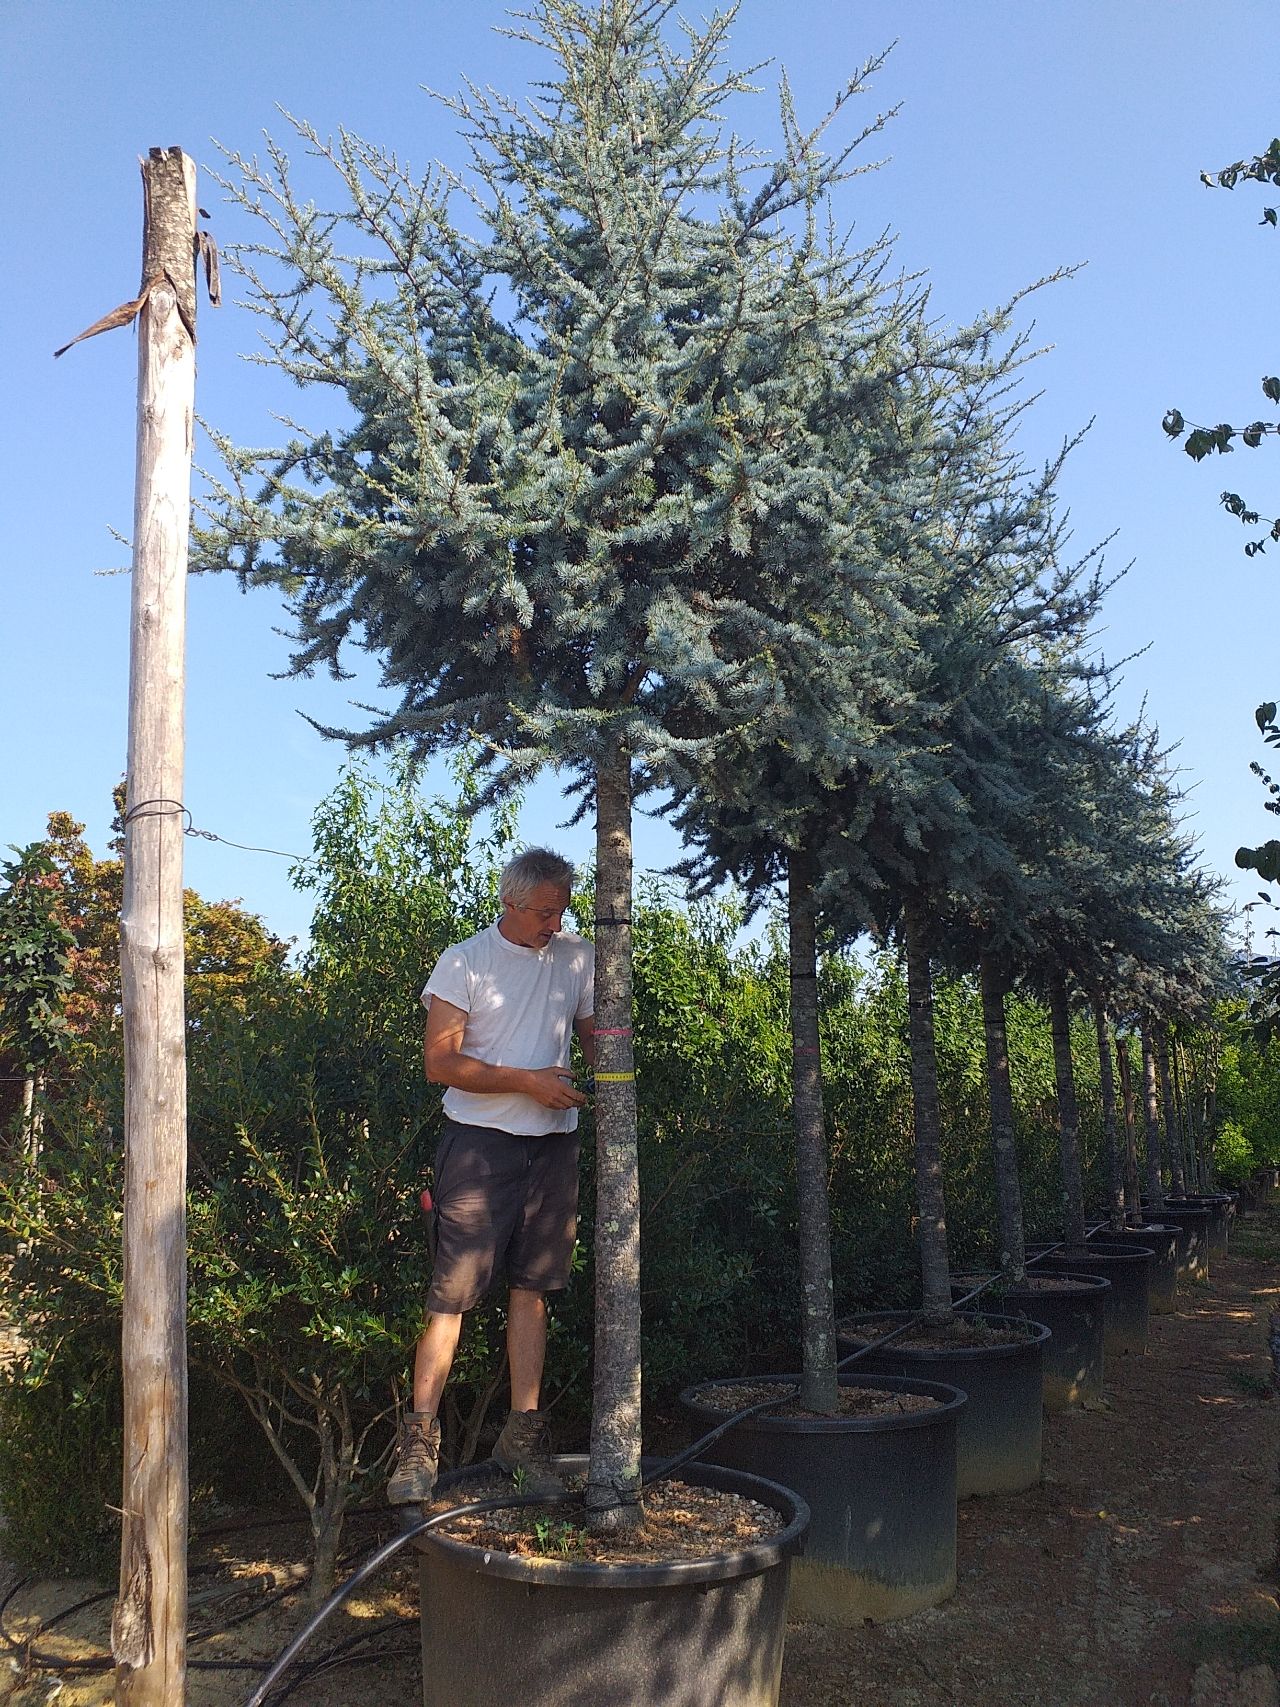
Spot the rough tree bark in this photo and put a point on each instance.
(613, 1476)
(819, 1389)
(1110, 1131)
(1172, 1130)
(1004, 1149)
(1151, 1104)
(148, 1631)
(935, 1267)
(1186, 1117)
(1068, 1110)
(1132, 1189)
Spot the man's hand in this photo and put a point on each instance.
(552, 1087)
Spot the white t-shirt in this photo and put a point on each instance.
(521, 1004)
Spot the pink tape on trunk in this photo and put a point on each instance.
(611, 1031)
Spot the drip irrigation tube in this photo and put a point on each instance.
(370, 1567)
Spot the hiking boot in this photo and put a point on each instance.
(523, 1451)
(414, 1478)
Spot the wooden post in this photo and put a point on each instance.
(148, 1631)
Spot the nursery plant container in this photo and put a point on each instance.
(881, 1491)
(1192, 1223)
(1219, 1206)
(1127, 1307)
(498, 1628)
(1075, 1316)
(998, 1434)
(1161, 1240)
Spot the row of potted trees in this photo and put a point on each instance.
(930, 1406)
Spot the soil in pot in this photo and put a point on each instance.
(880, 1482)
(559, 1629)
(681, 1521)
(997, 1360)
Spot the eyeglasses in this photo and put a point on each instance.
(544, 914)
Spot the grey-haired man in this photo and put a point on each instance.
(502, 1009)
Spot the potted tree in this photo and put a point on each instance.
(570, 518)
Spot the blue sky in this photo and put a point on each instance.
(1031, 136)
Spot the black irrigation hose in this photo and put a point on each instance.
(373, 1564)
(709, 1439)
(341, 1655)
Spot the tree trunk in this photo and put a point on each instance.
(30, 1137)
(1187, 1123)
(1173, 1135)
(337, 1472)
(1110, 1133)
(1068, 1110)
(148, 1630)
(613, 1477)
(819, 1390)
(1013, 1255)
(1155, 1172)
(1132, 1189)
(935, 1268)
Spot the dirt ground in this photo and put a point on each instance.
(1142, 1571)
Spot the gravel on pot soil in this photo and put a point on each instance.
(960, 1333)
(680, 1521)
(854, 1401)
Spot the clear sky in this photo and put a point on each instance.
(1033, 134)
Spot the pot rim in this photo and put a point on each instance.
(1085, 1282)
(1032, 1334)
(749, 1561)
(951, 1401)
(1094, 1250)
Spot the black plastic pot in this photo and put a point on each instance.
(1219, 1206)
(1162, 1241)
(881, 1491)
(1193, 1238)
(1073, 1358)
(498, 1629)
(998, 1435)
(1127, 1308)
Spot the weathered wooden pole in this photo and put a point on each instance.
(148, 1631)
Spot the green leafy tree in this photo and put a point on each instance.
(35, 974)
(310, 1128)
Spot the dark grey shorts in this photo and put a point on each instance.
(502, 1203)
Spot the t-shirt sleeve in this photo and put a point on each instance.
(587, 995)
(450, 981)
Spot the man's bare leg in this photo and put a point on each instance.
(413, 1478)
(526, 1347)
(433, 1361)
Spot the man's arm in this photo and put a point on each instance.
(586, 1030)
(445, 1064)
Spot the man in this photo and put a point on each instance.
(501, 1011)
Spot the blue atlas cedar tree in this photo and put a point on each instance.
(583, 504)
(884, 791)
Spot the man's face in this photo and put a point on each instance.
(533, 923)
